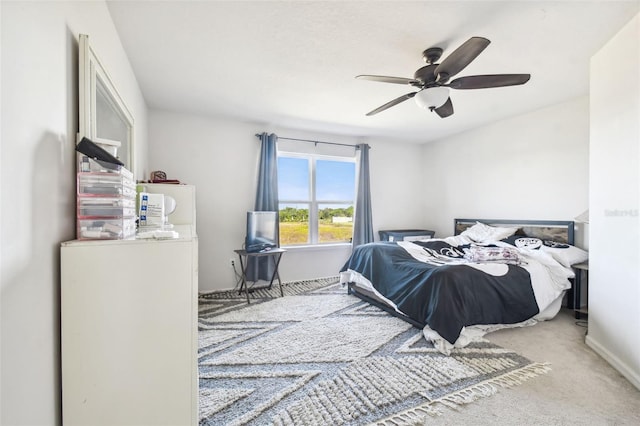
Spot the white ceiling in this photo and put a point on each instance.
(292, 63)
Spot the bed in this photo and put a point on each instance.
(489, 275)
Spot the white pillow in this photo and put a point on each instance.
(483, 233)
(565, 254)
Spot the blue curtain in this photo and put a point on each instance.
(362, 222)
(267, 192)
(266, 200)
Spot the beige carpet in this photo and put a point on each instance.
(580, 389)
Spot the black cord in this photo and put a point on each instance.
(582, 323)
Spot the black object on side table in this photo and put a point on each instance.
(577, 287)
(244, 256)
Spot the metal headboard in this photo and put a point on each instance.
(556, 230)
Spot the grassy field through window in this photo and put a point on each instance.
(298, 232)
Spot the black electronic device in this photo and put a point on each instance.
(97, 153)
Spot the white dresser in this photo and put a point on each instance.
(129, 331)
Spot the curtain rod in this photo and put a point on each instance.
(315, 142)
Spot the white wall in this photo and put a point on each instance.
(39, 122)
(614, 265)
(533, 166)
(220, 157)
(39, 125)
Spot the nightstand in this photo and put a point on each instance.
(579, 269)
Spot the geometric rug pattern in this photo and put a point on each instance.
(319, 356)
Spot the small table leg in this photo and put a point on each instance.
(576, 293)
(243, 283)
(276, 264)
(276, 273)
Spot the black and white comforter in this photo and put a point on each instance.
(449, 284)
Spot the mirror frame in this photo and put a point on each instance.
(90, 71)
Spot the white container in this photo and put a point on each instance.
(151, 209)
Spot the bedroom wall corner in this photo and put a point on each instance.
(614, 264)
(532, 166)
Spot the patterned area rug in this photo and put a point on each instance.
(319, 356)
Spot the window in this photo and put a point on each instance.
(316, 195)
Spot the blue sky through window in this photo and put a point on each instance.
(335, 180)
(293, 178)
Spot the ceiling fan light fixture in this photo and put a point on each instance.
(432, 97)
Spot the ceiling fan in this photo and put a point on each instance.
(433, 79)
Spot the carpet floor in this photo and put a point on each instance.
(320, 356)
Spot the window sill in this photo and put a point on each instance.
(318, 247)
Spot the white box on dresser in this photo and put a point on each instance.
(185, 196)
(129, 331)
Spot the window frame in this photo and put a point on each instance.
(313, 202)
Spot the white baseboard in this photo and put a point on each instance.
(624, 369)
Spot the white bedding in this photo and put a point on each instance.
(549, 280)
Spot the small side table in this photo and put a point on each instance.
(577, 287)
(244, 256)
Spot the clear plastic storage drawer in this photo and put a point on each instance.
(106, 229)
(105, 185)
(86, 164)
(110, 207)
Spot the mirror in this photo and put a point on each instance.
(104, 117)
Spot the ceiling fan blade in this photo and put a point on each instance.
(445, 110)
(394, 102)
(460, 58)
(487, 81)
(386, 79)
